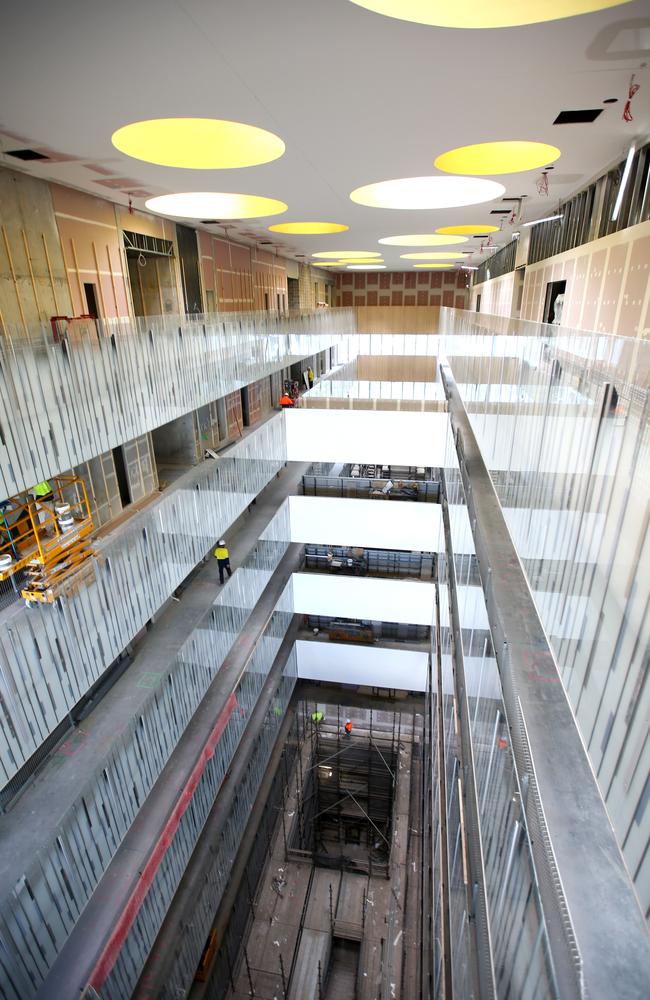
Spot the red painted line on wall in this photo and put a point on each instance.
(118, 935)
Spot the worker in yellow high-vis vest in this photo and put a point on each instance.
(42, 491)
(222, 556)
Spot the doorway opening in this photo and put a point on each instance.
(122, 477)
(151, 274)
(293, 293)
(188, 255)
(91, 300)
(245, 406)
(553, 303)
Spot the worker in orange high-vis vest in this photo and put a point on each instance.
(348, 727)
(222, 556)
(285, 400)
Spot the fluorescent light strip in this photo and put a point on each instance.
(549, 218)
(623, 184)
(468, 267)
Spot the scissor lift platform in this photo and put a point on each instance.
(47, 537)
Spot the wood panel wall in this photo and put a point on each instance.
(397, 319)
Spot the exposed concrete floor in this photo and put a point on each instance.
(31, 822)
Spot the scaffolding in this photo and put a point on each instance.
(45, 538)
(335, 863)
(344, 815)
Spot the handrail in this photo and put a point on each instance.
(598, 936)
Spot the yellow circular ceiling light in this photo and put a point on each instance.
(434, 267)
(427, 192)
(328, 263)
(340, 254)
(198, 143)
(366, 267)
(467, 230)
(443, 255)
(482, 14)
(215, 205)
(308, 228)
(422, 240)
(511, 156)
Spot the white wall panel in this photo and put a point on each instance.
(379, 524)
(389, 437)
(373, 666)
(406, 601)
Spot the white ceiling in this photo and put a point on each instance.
(355, 96)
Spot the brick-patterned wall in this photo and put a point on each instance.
(227, 274)
(234, 416)
(402, 288)
(270, 281)
(311, 287)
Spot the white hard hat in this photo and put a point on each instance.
(222, 541)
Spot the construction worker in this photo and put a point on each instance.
(222, 556)
(286, 401)
(317, 717)
(310, 377)
(42, 491)
(348, 727)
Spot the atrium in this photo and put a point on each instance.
(324, 500)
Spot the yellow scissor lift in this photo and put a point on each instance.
(48, 538)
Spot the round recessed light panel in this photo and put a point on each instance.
(328, 263)
(427, 192)
(504, 157)
(340, 254)
(366, 267)
(198, 143)
(482, 14)
(467, 230)
(433, 256)
(308, 228)
(422, 240)
(215, 205)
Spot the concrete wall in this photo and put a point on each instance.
(33, 279)
(175, 443)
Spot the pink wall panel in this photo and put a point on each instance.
(592, 291)
(241, 257)
(140, 222)
(611, 288)
(638, 276)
